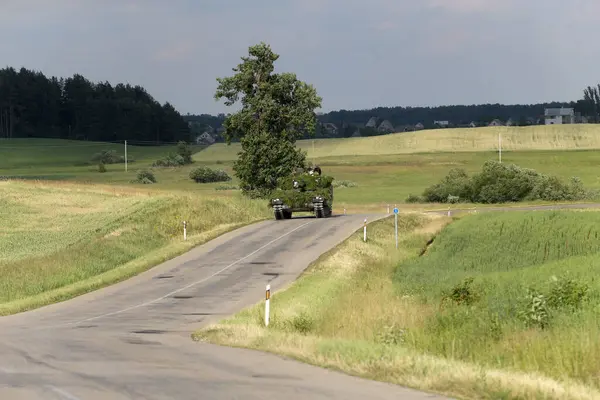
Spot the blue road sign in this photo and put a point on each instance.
(395, 211)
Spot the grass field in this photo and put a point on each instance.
(541, 137)
(392, 315)
(58, 240)
(385, 169)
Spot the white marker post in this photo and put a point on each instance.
(267, 298)
(184, 230)
(396, 224)
(500, 147)
(126, 156)
(344, 211)
(365, 231)
(388, 209)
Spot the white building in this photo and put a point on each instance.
(441, 123)
(555, 116)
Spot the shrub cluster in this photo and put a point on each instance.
(207, 175)
(146, 177)
(183, 156)
(500, 183)
(564, 293)
(109, 157)
(535, 308)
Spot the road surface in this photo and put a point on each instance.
(132, 340)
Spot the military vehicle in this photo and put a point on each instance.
(301, 192)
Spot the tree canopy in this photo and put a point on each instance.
(277, 109)
(32, 105)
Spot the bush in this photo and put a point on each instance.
(101, 168)
(146, 177)
(501, 183)
(567, 293)
(463, 293)
(183, 156)
(207, 175)
(302, 324)
(414, 199)
(185, 152)
(109, 157)
(171, 160)
(534, 309)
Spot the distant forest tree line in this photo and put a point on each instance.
(347, 123)
(33, 105)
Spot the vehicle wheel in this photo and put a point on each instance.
(278, 215)
(319, 213)
(326, 212)
(287, 215)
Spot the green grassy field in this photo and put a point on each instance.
(58, 240)
(393, 315)
(381, 177)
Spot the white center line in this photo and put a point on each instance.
(187, 286)
(66, 395)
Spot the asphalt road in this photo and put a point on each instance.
(132, 340)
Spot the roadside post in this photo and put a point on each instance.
(267, 299)
(184, 230)
(365, 231)
(396, 224)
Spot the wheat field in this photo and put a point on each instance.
(60, 239)
(540, 137)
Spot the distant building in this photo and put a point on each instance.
(372, 123)
(441, 123)
(558, 116)
(331, 128)
(496, 122)
(385, 127)
(419, 126)
(205, 138)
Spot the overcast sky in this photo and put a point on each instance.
(357, 53)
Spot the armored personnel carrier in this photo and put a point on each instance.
(301, 192)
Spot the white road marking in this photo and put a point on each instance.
(64, 394)
(187, 286)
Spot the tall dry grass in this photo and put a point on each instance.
(347, 313)
(61, 239)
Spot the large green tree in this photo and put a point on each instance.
(276, 110)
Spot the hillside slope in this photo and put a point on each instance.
(58, 240)
(533, 300)
(542, 137)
